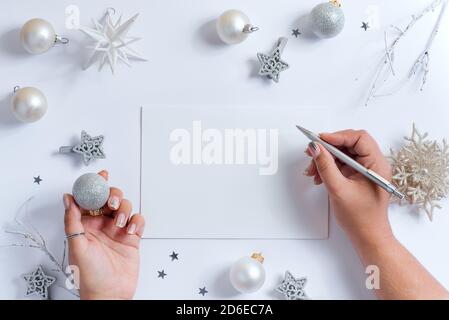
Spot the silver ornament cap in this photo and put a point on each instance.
(327, 19)
(91, 191)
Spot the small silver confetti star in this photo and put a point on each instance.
(292, 288)
(174, 256)
(161, 274)
(365, 25)
(37, 179)
(296, 33)
(203, 291)
(38, 282)
(271, 65)
(89, 147)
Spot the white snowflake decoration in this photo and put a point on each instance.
(112, 42)
(421, 171)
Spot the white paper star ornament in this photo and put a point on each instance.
(112, 42)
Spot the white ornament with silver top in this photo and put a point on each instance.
(233, 27)
(28, 104)
(38, 36)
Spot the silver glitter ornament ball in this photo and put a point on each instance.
(327, 20)
(91, 191)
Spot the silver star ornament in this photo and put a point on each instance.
(112, 42)
(292, 288)
(38, 283)
(272, 65)
(90, 148)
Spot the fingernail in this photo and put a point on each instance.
(314, 149)
(132, 228)
(66, 201)
(120, 220)
(114, 203)
(306, 172)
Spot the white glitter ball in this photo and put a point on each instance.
(91, 191)
(327, 20)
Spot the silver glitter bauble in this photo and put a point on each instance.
(327, 20)
(248, 274)
(37, 36)
(91, 191)
(28, 104)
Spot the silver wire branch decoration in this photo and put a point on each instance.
(421, 65)
(421, 171)
(34, 239)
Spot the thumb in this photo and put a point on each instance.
(73, 224)
(327, 168)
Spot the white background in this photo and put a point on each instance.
(188, 66)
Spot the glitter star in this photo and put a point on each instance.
(202, 291)
(37, 179)
(271, 65)
(38, 282)
(174, 256)
(161, 274)
(292, 288)
(90, 147)
(112, 42)
(365, 25)
(296, 33)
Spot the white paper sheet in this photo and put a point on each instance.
(194, 185)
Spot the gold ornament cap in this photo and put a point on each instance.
(335, 3)
(258, 256)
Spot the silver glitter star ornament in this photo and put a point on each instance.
(272, 65)
(292, 288)
(112, 42)
(38, 283)
(89, 147)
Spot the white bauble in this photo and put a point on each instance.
(37, 36)
(327, 20)
(231, 26)
(29, 104)
(247, 275)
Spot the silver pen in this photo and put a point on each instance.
(371, 175)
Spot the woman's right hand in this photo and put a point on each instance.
(359, 205)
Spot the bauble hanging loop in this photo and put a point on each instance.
(28, 104)
(248, 274)
(233, 26)
(38, 36)
(327, 19)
